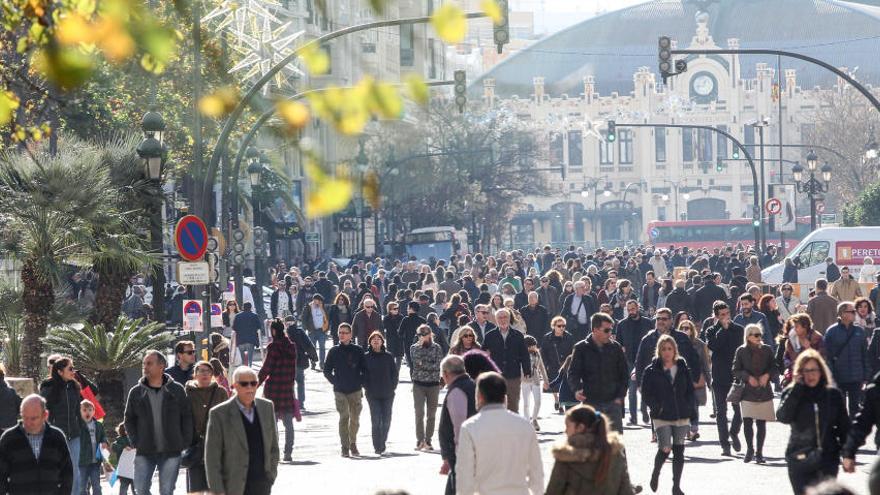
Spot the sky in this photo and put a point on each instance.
(554, 15)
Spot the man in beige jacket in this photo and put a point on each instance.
(845, 288)
(241, 446)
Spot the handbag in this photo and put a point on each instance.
(195, 454)
(807, 459)
(736, 392)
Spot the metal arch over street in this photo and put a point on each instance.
(757, 193)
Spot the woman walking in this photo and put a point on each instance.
(340, 312)
(592, 460)
(797, 336)
(668, 390)
(755, 367)
(279, 374)
(704, 381)
(463, 340)
(62, 394)
(816, 411)
(203, 394)
(535, 384)
(380, 382)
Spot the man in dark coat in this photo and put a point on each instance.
(578, 308)
(723, 339)
(548, 296)
(481, 325)
(390, 325)
(459, 404)
(630, 331)
(507, 348)
(34, 457)
(679, 299)
(648, 346)
(599, 373)
(409, 325)
(535, 316)
(522, 298)
(365, 322)
(705, 297)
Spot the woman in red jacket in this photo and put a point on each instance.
(278, 374)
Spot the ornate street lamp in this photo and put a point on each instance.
(812, 186)
(151, 151)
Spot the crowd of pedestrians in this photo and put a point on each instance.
(646, 335)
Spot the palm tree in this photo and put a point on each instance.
(49, 204)
(120, 251)
(105, 354)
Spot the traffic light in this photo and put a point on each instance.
(501, 30)
(611, 134)
(736, 153)
(460, 78)
(719, 165)
(756, 222)
(664, 56)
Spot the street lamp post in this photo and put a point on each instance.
(625, 225)
(813, 187)
(676, 185)
(593, 183)
(255, 176)
(760, 125)
(362, 163)
(152, 152)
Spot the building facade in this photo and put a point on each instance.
(611, 190)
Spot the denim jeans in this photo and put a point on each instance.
(719, 396)
(247, 355)
(90, 476)
(73, 446)
(634, 401)
(853, 393)
(380, 417)
(613, 411)
(301, 386)
(319, 339)
(287, 421)
(144, 465)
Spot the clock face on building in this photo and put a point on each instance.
(703, 85)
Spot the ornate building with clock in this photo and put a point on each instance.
(570, 84)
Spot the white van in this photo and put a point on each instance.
(848, 246)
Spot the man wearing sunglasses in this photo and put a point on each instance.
(242, 420)
(182, 371)
(846, 348)
(599, 373)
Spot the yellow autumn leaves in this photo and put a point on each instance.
(450, 22)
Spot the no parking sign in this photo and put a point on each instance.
(192, 315)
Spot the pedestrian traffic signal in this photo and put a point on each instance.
(611, 134)
(501, 30)
(460, 79)
(664, 56)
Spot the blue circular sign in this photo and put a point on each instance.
(654, 233)
(191, 237)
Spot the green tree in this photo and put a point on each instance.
(865, 210)
(106, 352)
(49, 205)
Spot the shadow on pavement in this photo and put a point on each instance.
(301, 463)
(707, 460)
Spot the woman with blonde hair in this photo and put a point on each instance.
(816, 411)
(704, 381)
(592, 458)
(755, 367)
(668, 390)
(463, 339)
(868, 273)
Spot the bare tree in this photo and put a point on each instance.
(846, 123)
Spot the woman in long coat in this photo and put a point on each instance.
(278, 374)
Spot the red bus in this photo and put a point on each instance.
(696, 234)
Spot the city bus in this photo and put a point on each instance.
(438, 243)
(696, 234)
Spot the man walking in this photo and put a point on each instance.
(409, 326)
(723, 339)
(481, 324)
(344, 369)
(425, 374)
(185, 353)
(578, 308)
(822, 308)
(497, 449)
(548, 296)
(159, 423)
(460, 403)
(366, 321)
(630, 332)
(507, 348)
(846, 348)
(535, 316)
(599, 373)
(247, 332)
(229, 469)
(316, 323)
(34, 457)
(747, 316)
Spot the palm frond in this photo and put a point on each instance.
(96, 350)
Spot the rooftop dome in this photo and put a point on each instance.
(613, 46)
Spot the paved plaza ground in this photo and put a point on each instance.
(318, 467)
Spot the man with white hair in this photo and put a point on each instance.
(507, 348)
(243, 417)
(577, 309)
(34, 438)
